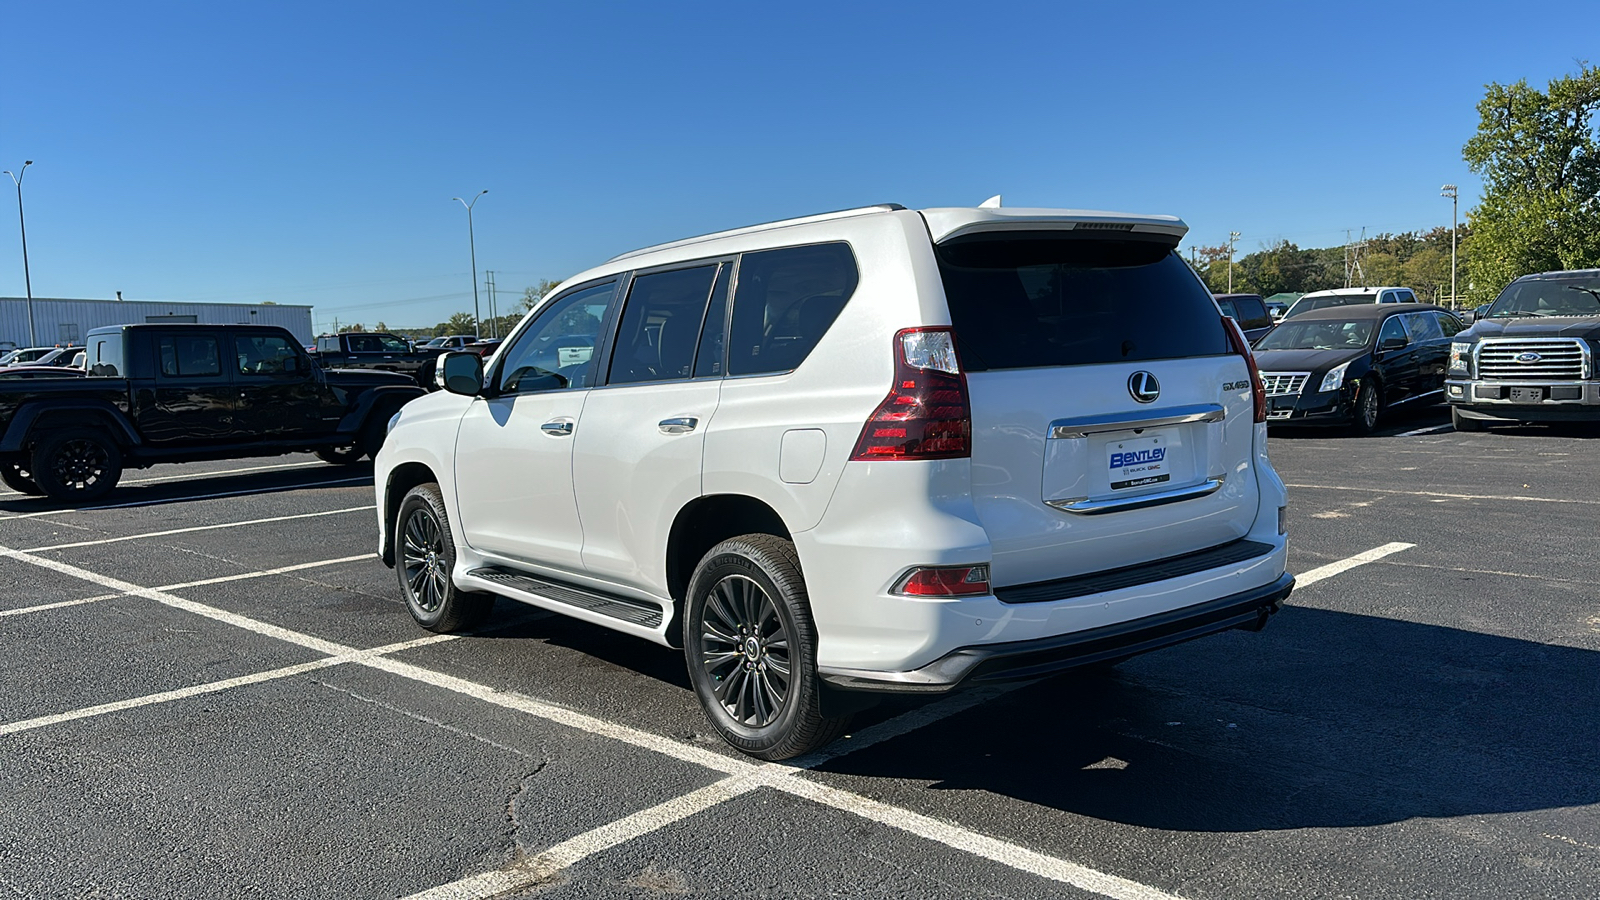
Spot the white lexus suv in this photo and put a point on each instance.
(865, 451)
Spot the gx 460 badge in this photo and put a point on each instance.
(1236, 385)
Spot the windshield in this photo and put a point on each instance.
(1549, 297)
(1323, 334)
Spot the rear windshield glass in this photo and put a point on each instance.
(1322, 334)
(1308, 304)
(1036, 299)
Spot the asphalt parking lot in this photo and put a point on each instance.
(213, 690)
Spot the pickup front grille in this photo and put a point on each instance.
(1541, 359)
(1282, 384)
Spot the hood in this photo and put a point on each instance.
(1313, 361)
(1587, 329)
(365, 377)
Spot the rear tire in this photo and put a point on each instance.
(78, 464)
(19, 479)
(751, 648)
(425, 557)
(1462, 423)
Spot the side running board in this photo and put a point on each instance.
(631, 611)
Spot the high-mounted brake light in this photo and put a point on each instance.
(927, 414)
(1258, 391)
(945, 581)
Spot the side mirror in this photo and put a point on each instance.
(462, 373)
(1393, 343)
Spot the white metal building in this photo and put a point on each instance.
(62, 321)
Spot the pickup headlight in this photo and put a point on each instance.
(1461, 359)
(393, 421)
(1335, 378)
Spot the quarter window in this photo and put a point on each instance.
(1450, 325)
(785, 301)
(556, 351)
(660, 327)
(189, 356)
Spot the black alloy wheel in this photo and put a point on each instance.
(751, 648)
(19, 479)
(426, 556)
(1369, 407)
(744, 648)
(80, 464)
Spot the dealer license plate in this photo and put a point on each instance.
(1527, 394)
(1138, 462)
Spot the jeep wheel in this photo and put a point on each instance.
(426, 556)
(81, 464)
(19, 479)
(752, 649)
(1462, 423)
(1369, 407)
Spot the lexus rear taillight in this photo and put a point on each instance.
(945, 581)
(927, 414)
(1258, 391)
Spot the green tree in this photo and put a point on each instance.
(531, 296)
(1539, 156)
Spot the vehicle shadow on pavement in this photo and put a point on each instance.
(199, 487)
(1343, 720)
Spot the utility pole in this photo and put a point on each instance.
(1232, 236)
(1450, 191)
(22, 225)
(477, 322)
(494, 317)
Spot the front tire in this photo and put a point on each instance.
(751, 647)
(425, 555)
(345, 455)
(19, 479)
(79, 464)
(1462, 423)
(1369, 407)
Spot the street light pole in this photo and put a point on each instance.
(1232, 236)
(1450, 191)
(22, 224)
(472, 247)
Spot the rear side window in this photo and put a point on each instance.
(661, 325)
(105, 355)
(1040, 299)
(785, 302)
(185, 356)
(1252, 313)
(1424, 327)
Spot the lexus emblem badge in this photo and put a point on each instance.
(1144, 387)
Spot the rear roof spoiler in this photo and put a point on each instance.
(944, 224)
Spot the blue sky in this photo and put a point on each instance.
(307, 153)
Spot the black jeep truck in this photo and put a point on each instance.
(180, 393)
(370, 350)
(1531, 357)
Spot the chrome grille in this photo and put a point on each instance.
(1283, 384)
(1546, 359)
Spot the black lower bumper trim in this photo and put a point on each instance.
(1032, 659)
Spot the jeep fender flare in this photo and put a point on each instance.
(389, 395)
(25, 425)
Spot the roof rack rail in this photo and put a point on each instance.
(782, 223)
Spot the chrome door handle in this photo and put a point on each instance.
(679, 425)
(557, 427)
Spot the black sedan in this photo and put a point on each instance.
(1347, 365)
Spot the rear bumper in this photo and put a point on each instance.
(1031, 659)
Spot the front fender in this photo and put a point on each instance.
(391, 396)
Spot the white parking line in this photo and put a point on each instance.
(276, 489)
(154, 534)
(188, 476)
(215, 686)
(1431, 429)
(1306, 579)
(1508, 497)
(297, 567)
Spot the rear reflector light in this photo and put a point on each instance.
(927, 414)
(945, 581)
(1258, 391)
